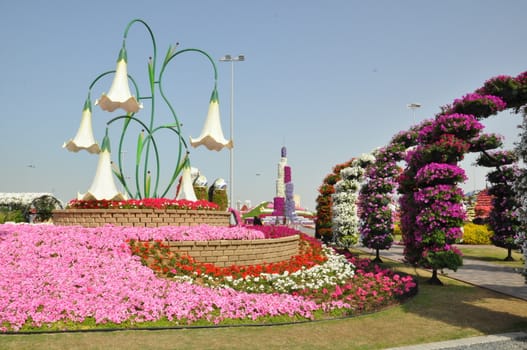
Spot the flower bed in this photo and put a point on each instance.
(149, 212)
(60, 278)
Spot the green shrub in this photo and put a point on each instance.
(201, 192)
(476, 234)
(397, 229)
(11, 216)
(220, 198)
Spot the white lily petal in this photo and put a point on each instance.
(186, 190)
(119, 95)
(84, 138)
(212, 133)
(103, 186)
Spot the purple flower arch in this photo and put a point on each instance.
(431, 209)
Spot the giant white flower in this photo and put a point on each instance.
(103, 186)
(84, 138)
(212, 133)
(186, 190)
(119, 95)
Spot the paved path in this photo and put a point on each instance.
(503, 279)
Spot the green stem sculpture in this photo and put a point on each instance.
(146, 144)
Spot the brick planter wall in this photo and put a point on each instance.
(140, 217)
(239, 252)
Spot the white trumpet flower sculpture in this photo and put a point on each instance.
(84, 138)
(119, 95)
(212, 134)
(186, 190)
(103, 186)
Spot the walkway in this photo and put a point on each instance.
(502, 279)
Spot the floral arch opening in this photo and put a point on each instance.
(431, 202)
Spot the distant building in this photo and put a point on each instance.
(483, 205)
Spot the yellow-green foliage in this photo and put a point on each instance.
(201, 192)
(220, 198)
(11, 216)
(476, 234)
(397, 229)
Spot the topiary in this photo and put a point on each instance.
(220, 198)
(201, 192)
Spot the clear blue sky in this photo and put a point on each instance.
(330, 80)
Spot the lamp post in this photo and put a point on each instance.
(413, 107)
(231, 59)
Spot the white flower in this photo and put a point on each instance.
(103, 186)
(84, 138)
(367, 158)
(119, 95)
(212, 133)
(186, 190)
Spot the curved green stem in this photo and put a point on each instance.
(138, 20)
(119, 157)
(151, 76)
(145, 143)
(169, 57)
(149, 137)
(180, 164)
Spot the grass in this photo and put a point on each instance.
(455, 310)
(489, 253)
(492, 254)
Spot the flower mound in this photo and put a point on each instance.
(70, 275)
(146, 203)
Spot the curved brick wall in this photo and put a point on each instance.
(140, 217)
(239, 252)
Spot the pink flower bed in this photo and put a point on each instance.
(185, 233)
(72, 274)
(53, 273)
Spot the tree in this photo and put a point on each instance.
(503, 218)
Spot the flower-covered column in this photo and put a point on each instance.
(520, 187)
(503, 218)
(345, 216)
(324, 201)
(376, 200)
(284, 203)
(432, 206)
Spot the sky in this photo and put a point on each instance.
(329, 80)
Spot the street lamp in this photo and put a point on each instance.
(229, 58)
(413, 107)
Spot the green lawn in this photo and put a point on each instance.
(452, 311)
(492, 254)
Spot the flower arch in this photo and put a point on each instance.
(432, 213)
(431, 208)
